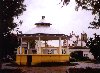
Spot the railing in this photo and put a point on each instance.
(44, 50)
(53, 50)
(27, 51)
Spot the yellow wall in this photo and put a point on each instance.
(23, 51)
(38, 58)
(21, 59)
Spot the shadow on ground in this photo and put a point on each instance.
(44, 64)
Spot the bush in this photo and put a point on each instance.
(72, 59)
(76, 55)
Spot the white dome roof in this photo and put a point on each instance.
(43, 30)
(43, 27)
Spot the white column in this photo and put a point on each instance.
(45, 44)
(21, 47)
(67, 51)
(60, 45)
(39, 45)
(28, 45)
(18, 50)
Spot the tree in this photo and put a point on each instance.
(8, 10)
(90, 5)
(94, 44)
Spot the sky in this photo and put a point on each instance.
(65, 19)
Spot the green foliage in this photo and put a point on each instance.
(32, 44)
(8, 10)
(91, 5)
(77, 55)
(94, 45)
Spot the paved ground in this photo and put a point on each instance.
(84, 65)
(54, 69)
(59, 69)
(8, 66)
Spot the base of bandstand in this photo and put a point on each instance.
(33, 59)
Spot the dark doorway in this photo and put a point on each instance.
(29, 60)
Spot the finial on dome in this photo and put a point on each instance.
(43, 22)
(43, 17)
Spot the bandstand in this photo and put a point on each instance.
(28, 55)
